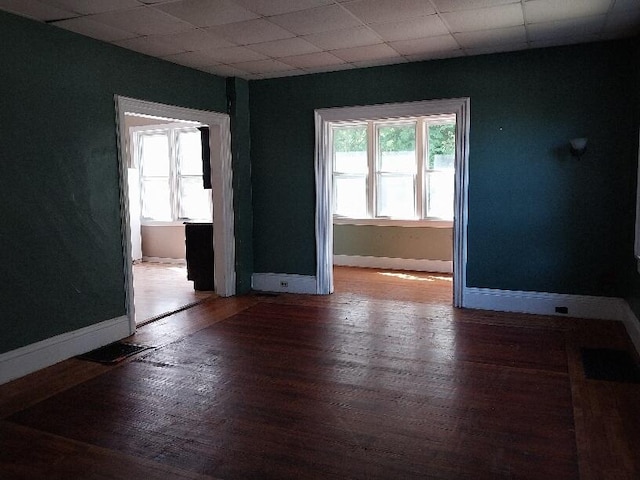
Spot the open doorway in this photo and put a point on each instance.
(220, 196)
(390, 185)
(167, 188)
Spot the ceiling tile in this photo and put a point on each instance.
(252, 31)
(316, 20)
(456, 5)
(263, 66)
(553, 10)
(36, 10)
(385, 11)
(485, 18)
(100, 31)
(490, 38)
(564, 41)
(380, 62)
(421, 57)
(351, 37)
(224, 71)
(496, 49)
(157, 46)
(312, 60)
(204, 13)
(198, 59)
(418, 46)
(278, 7)
(285, 48)
(198, 39)
(288, 73)
(234, 55)
(420, 27)
(329, 68)
(87, 7)
(369, 52)
(143, 21)
(566, 28)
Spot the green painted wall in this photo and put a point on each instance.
(60, 241)
(633, 296)
(421, 243)
(539, 220)
(238, 102)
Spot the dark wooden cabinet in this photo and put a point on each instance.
(199, 247)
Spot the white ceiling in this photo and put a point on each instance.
(255, 39)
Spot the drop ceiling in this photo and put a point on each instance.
(255, 39)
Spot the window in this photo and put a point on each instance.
(394, 168)
(170, 164)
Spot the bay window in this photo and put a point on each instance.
(394, 169)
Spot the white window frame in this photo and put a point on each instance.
(323, 176)
(171, 130)
(420, 173)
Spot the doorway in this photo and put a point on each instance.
(221, 192)
(166, 189)
(327, 119)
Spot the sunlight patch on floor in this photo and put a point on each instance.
(408, 276)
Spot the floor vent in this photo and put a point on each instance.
(610, 365)
(113, 353)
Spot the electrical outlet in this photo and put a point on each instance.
(284, 284)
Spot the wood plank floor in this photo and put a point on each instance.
(382, 380)
(161, 288)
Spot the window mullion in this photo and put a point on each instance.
(372, 161)
(174, 183)
(421, 149)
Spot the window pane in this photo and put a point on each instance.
(350, 149)
(442, 146)
(350, 196)
(156, 200)
(195, 201)
(397, 148)
(396, 196)
(440, 186)
(155, 155)
(189, 152)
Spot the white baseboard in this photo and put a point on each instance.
(172, 261)
(541, 303)
(24, 360)
(389, 263)
(632, 325)
(283, 282)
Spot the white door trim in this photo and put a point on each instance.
(222, 190)
(323, 170)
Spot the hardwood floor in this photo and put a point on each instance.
(161, 288)
(382, 380)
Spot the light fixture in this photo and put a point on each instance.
(578, 146)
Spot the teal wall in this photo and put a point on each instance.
(422, 243)
(539, 220)
(61, 257)
(633, 297)
(238, 103)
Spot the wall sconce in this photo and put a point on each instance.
(578, 146)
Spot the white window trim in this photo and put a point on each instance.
(324, 174)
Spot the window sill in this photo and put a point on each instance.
(179, 223)
(387, 222)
